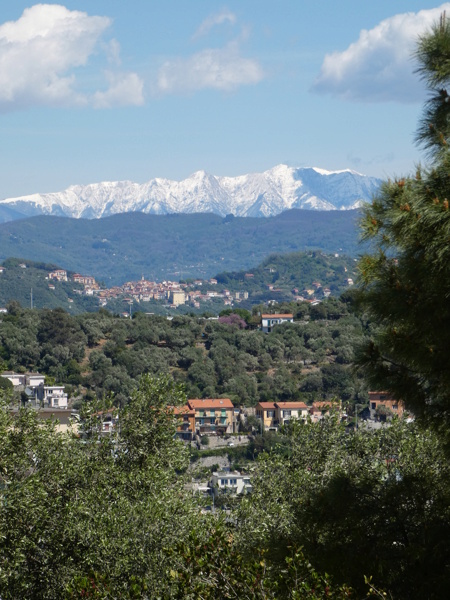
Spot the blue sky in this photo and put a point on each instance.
(106, 90)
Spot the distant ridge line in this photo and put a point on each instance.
(252, 195)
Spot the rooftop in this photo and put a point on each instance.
(210, 403)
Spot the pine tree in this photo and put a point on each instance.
(405, 281)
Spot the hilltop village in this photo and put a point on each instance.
(174, 294)
(309, 277)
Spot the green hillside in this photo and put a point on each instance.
(160, 247)
(280, 278)
(293, 270)
(19, 284)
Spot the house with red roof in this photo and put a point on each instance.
(274, 414)
(291, 410)
(320, 409)
(268, 322)
(267, 414)
(383, 405)
(213, 415)
(186, 422)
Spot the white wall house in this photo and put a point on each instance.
(268, 322)
(230, 481)
(50, 396)
(35, 379)
(18, 379)
(15, 378)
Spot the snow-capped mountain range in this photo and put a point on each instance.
(254, 195)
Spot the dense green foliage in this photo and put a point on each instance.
(99, 353)
(124, 247)
(70, 511)
(374, 503)
(295, 270)
(30, 286)
(110, 517)
(405, 283)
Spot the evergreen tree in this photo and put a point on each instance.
(405, 281)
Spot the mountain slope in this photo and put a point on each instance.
(253, 195)
(162, 247)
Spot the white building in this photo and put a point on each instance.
(50, 396)
(269, 321)
(15, 378)
(22, 379)
(233, 481)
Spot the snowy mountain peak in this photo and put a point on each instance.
(255, 194)
(325, 172)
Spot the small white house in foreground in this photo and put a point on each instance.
(230, 481)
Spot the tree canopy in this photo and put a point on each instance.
(405, 281)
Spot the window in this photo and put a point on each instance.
(270, 414)
(286, 413)
(224, 482)
(212, 420)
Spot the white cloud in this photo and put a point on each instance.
(112, 49)
(39, 52)
(217, 19)
(219, 68)
(124, 89)
(379, 66)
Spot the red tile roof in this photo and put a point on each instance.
(210, 403)
(277, 316)
(293, 405)
(324, 404)
(183, 410)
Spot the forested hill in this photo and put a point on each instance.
(295, 270)
(100, 353)
(160, 247)
(28, 284)
(279, 278)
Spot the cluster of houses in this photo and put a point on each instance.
(89, 283)
(144, 291)
(209, 415)
(273, 415)
(172, 293)
(219, 416)
(35, 392)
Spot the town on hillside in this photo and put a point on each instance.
(174, 294)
